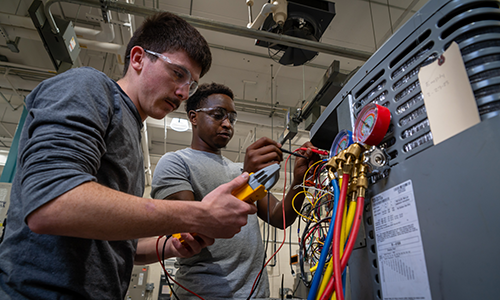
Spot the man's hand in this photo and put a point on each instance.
(261, 154)
(192, 245)
(226, 214)
(302, 164)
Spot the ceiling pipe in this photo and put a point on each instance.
(209, 24)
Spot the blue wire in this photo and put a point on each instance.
(326, 247)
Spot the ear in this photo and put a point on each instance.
(137, 56)
(193, 117)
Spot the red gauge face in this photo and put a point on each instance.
(372, 124)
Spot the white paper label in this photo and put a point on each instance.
(401, 261)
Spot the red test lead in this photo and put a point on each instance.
(321, 152)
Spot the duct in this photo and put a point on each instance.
(220, 27)
(107, 32)
(20, 27)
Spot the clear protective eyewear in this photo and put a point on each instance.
(179, 74)
(220, 114)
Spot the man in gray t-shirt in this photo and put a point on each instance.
(227, 269)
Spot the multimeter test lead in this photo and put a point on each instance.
(293, 153)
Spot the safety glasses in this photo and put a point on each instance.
(179, 74)
(219, 114)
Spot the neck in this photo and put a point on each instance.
(124, 84)
(200, 145)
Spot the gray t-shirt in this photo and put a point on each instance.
(227, 269)
(80, 127)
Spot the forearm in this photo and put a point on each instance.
(146, 250)
(97, 212)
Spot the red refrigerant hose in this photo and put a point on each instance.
(327, 293)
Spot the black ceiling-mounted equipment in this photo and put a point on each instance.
(306, 19)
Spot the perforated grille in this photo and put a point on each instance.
(475, 26)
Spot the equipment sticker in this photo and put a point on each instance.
(401, 261)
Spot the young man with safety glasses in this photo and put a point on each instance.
(76, 210)
(226, 269)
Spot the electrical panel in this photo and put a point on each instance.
(138, 283)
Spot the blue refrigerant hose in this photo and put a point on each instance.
(326, 247)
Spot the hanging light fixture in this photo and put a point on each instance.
(179, 124)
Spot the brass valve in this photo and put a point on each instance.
(340, 159)
(352, 153)
(354, 177)
(331, 166)
(362, 183)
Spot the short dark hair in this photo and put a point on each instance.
(204, 90)
(166, 32)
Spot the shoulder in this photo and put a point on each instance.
(173, 160)
(173, 156)
(81, 77)
(78, 83)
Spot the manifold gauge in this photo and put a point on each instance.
(372, 124)
(341, 142)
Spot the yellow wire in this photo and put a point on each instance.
(305, 174)
(298, 213)
(313, 269)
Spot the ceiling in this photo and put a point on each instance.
(262, 87)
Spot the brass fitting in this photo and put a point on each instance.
(362, 183)
(340, 161)
(331, 166)
(353, 152)
(354, 177)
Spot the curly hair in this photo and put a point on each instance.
(204, 90)
(166, 32)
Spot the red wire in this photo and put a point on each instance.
(284, 230)
(327, 293)
(164, 270)
(336, 238)
(322, 152)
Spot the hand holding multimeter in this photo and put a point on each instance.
(256, 188)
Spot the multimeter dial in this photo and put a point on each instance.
(372, 124)
(341, 142)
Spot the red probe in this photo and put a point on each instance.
(321, 152)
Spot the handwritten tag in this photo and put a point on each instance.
(448, 97)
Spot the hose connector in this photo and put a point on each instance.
(331, 166)
(353, 152)
(354, 177)
(340, 160)
(362, 182)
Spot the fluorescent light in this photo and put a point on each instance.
(179, 124)
(3, 157)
